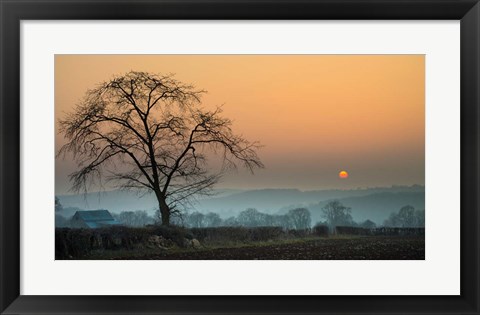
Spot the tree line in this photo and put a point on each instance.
(334, 214)
(298, 218)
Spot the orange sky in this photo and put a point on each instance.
(315, 114)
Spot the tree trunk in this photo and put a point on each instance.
(164, 210)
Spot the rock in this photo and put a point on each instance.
(186, 243)
(160, 242)
(195, 243)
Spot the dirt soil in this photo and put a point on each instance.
(356, 248)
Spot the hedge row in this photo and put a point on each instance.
(387, 231)
(74, 243)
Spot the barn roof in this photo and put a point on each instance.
(96, 218)
(95, 215)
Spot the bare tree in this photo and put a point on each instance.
(300, 218)
(212, 219)
(134, 218)
(251, 218)
(337, 214)
(407, 216)
(231, 221)
(148, 131)
(420, 218)
(196, 220)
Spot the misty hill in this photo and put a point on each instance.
(273, 200)
(372, 203)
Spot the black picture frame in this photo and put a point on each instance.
(14, 11)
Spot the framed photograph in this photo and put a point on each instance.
(239, 157)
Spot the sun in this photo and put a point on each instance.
(343, 174)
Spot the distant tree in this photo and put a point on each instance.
(231, 221)
(212, 220)
(177, 219)
(300, 218)
(392, 221)
(420, 218)
(283, 220)
(149, 132)
(195, 220)
(251, 218)
(276, 220)
(124, 217)
(406, 217)
(58, 205)
(143, 218)
(268, 220)
(336, 214)
(134, 218)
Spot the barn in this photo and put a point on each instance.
(92, 219)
